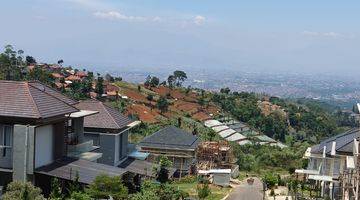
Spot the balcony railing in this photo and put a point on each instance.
(5, 157)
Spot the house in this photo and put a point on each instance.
(42, 137)
(179, 146)
(329, 160)
(73, 78)
(81, 74)
(108, 129)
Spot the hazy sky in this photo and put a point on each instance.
(267, 35)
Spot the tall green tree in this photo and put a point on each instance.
(162, 104)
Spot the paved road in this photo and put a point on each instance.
(247, 192)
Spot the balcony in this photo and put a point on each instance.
(5, 157)
(84, 151)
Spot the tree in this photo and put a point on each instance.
(154, 81)
(154, 191)
(104, 186)
(162, 104)
(171, 81)
(180, 77)
(225, 90)
(22, 191)
(79, 196)
(162, 171)
(203, 190)
(56, 190)
(99, 88)
(60, 62)
(30, 60)
(109, 78)
(150, 97)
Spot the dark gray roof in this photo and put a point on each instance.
(32, 101)
(107, 118)
(171, 137)
(344, 143)
(141, 167)
(68, 167)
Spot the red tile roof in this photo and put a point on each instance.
(73, 78)
(81, 74)
(57, 75)
(32, 100)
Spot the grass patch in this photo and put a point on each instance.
(133, 86)
(217, 193)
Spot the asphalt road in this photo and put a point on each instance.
(247, 192)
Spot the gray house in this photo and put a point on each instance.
(176, 144)
(108, 129)
(37, 141)
(330, 160)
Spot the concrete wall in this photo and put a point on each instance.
(23, 151)
(44, 145)
(107, 147)
(114, 147)
(124, 144)
(221, 179)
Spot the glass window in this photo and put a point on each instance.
(5, 139)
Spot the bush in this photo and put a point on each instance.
(22, 191)
(203, 190)
(104, 185)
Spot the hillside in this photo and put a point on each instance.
(256, 125)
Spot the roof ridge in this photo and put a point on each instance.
(27, 86)
(105, 108)
(46, 93)
(49, 87)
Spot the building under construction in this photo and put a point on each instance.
(350, 177)
(215, 155)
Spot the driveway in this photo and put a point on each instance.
(247, 192)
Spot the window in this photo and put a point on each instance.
(5, 139)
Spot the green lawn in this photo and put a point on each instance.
(217, 193)
(131, 86)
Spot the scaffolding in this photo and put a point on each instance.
(350, 178)
(215, 155)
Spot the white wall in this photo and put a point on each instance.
(44, 145)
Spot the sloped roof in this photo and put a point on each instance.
(107, 118)
(344, 143)
(171, 137)
(53, 92)
(32, 100)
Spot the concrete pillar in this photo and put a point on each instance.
(331, 190)
(78, 125)
(23, 152)
(322, 183)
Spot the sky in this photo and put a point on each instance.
(299, 36)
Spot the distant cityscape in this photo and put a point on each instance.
(341, 91)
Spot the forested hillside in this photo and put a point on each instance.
(298, 123)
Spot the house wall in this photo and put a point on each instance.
(114, 147)
(23, 151)
(179, 163)
(44, 145)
